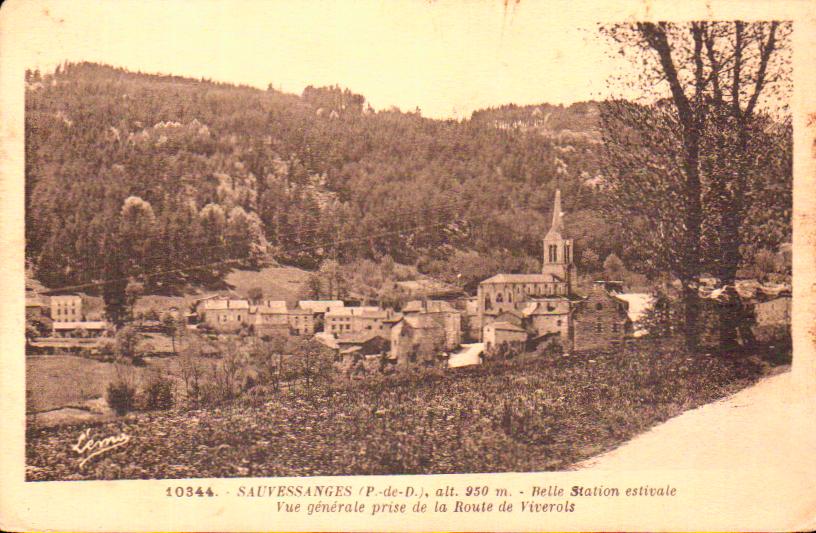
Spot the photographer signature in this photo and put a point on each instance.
(90, 447)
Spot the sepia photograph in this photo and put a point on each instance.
(429, 265)
(245, 259)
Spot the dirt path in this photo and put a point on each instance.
(764, 432)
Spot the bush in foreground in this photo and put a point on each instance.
(121, 397)
(159, 393)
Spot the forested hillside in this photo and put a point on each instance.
(215, 171)
(146, 176)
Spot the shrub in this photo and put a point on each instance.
(121, 397)
(211, 393)
(159, 393)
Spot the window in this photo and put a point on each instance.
(566, 253)
(553, 253)
(499, 298)
(558, 323)
(599, 326)
(599, 306)
(614, 327)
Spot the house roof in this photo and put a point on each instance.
(66, 295)
(221, 305)
(422, 321)
(320, 306)
(272, 307)
(352, 311)
(327, 339)
(380, 314)
(523, 278)
(428, 306)
(507, 326)
(351, 349)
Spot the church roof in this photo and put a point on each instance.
(523, 278)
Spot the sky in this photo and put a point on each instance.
(447, 58)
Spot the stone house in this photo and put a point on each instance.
(35, 308)
(549, 315)
(601, 321)
(301, 321)
(360, 354)
(66, 308)
(223, 314)
(470, 317)
(270, 319)
(364, 343)
(445, 313)
(497, 333)
(355, 319)
(418, 339)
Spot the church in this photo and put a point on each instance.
(547, 306)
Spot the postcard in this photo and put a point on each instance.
(506, 265)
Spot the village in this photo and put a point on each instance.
(510, 314)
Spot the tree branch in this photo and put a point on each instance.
(715, 66)
(655, 35)
(766, 49)
(735, 84)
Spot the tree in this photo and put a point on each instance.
(133, 291)
(126, 341)
(244, 236)
(173, 327)
(255, 295)
(331, 277)
(614, 267)
(715, 74)
(137, 227)
(313, 289)
(590, 260)
(312, 360)
(114, 287)
(190, 368)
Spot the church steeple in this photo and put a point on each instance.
(558, 250)
(557, 217)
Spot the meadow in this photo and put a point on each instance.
(526, 414)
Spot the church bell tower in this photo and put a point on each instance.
(558, 250)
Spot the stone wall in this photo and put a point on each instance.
(600, 322)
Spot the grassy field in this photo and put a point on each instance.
(529, 414)
(277, 283)
(56, 381)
